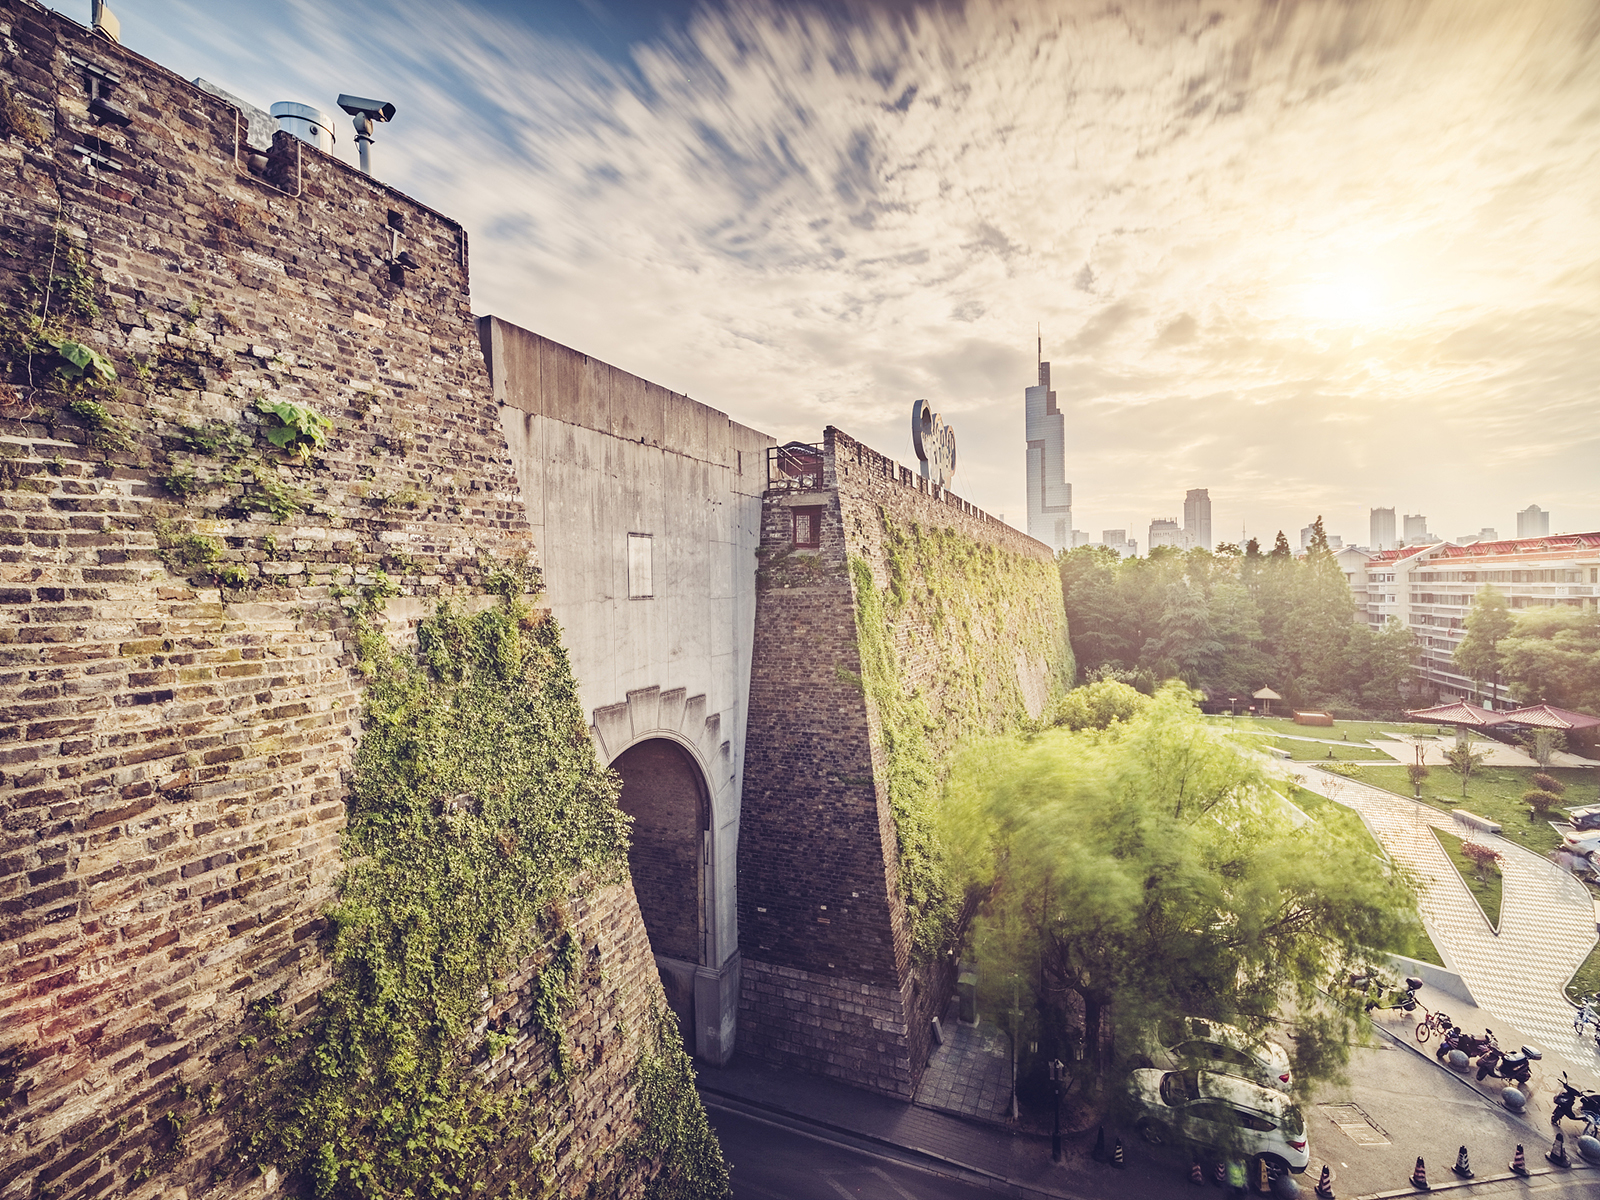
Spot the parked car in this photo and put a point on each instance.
(1222, 1114)
(1193, 1042)
(1585, 818)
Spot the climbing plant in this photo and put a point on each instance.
(981, 607)
(477, 805)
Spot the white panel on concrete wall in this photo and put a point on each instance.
(640, 566)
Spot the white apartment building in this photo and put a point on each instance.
(1430, 590)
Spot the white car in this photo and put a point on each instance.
(1222, 1113)
(1226, 1049)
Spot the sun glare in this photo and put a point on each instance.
(1348, 296)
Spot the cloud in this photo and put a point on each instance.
(1233, 221)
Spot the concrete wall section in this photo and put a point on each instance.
(601, 455)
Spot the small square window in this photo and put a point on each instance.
(640, 552)
(807, 527)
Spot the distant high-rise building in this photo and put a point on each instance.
(1197, 517)
(1117, 539)
(1483, 535)
(1306, 532)
(1049, 493)
(1416, 530)
(1533, 522)
(1165, 532)
(1081, 537)
(1382, 534)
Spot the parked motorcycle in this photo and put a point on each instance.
(1517, 1065)
(1469, 1044)
(1575, 1104)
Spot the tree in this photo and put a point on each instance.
(1150, 869)
(1280, 547)
(1481, 857)
(1319, 538)
(1185, 643)
(1552, 656)
(1418, 774)
(1464, 761)
(1381, 665)
(1488, 624)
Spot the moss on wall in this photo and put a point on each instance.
(477, 803)
(970, 611)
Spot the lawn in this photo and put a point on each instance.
(1493, 792)
(1486, 891)
(1345, 820)
(1585, 980)
(1359, 731)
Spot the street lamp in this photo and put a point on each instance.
(1058, 1072)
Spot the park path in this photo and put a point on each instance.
(1547, 918)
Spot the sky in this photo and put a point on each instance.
(1315, 257)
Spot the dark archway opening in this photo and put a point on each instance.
(664, 792)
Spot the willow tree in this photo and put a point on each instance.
(1152, 869)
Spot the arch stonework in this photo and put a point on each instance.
(703, 987)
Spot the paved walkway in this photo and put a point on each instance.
(1547, 918)
(970, 1073)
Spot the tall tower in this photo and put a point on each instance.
(1049, 493)
(1197, 517)
(1532, 521)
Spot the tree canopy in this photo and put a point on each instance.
(1233, 622)
(1488, 623)
(1151, 868)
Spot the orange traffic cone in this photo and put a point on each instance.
(1462, 1168)
(1419, 1177)
(1219, 1175)
(1325, 1184)
(1116, 1156)
(1196, 1174)
(1519, 1163)
(1558, 1152)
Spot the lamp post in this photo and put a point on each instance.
(1058, 1071)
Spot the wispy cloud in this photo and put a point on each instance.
(1315, 256)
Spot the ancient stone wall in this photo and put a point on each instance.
(832, 981)
(179, 689)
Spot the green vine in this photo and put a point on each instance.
(477, 803)
(675, 1132)
(978, 606)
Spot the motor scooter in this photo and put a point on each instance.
(1517, 1065)
(1576, 1105)
(1469, 1044)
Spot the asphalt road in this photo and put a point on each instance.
(770, 1162)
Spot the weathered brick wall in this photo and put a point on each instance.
(175, 740)
(829, 981)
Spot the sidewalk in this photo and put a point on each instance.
(1546, 919)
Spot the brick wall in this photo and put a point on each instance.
(829, 984)
(174, 742)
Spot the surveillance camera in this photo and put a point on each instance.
(358, 106)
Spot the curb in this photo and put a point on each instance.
(854, 1139)
(1458, 1184)
(1460, 1079)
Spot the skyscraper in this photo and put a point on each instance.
(1382, 534)
(1049, 493)
(1164, 531)
(1533, 522)
(1197, 517)
(1416, 530)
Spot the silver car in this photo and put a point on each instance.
(1212, 1046)
(1224, 1114)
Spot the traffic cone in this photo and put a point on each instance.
(1462, 1168)
(1196, 1174)
(1325, 1184)
(1519, 1163)
(1219, 1175)
(1558, 1152)
(1419, 1177)
(1099, 1151)
(1116, 1156)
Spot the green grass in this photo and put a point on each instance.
(1340, 752)
(1585, 980)
(1345, 820)
(1359, 731)
(1496, 793)
(1485, 891)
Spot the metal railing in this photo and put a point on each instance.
(794, 467)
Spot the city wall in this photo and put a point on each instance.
(832, 980)
(179, 688)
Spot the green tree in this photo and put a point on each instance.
(1381, 666)
(1280, 547)
(1464, 761)
(1488, 624)
(1315, 645)
(1096, 705)
(1185, 643)
(1150, 869)
(1552, 656)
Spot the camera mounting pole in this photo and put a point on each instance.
(365, 113)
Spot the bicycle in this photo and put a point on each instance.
(1432, 1023)
(1585, 1016)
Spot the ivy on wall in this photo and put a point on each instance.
(979, 607)
(477, 803)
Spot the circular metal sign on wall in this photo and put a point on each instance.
(934, 442)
